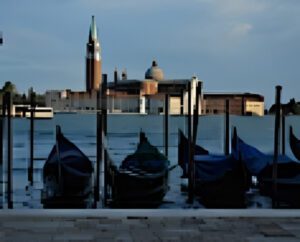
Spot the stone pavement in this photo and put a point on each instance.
(150, 225)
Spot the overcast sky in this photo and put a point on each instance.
(232, 45)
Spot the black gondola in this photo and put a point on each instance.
(142, 179)
(294, 144)
(183, 152)
(220, 180)
(261, 166)
(67, 176)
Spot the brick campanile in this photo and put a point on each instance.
(93, 59)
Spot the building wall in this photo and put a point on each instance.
(255, 107)
(175, 105)
(71, 101)
(149, 88)
(216, 105)
(238, 104)
(155, 104)
(147, 99)
(57, 99)
(123, 104)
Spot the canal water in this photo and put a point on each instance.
(122, 139)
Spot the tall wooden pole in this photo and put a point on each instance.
(104, 132)
(191, 159)
(104, 102)
(98, 149)
(226, 146)
(276, 144)
(166, 125)
(9, 151)
(196, 113)
(283, 132)
(32, 111)
(1, 150)
(193, 142)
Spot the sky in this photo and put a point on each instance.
(232, 45)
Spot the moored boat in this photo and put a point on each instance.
(294, 144)
(67, 175)
(261, 165)
(220, 180)
(142, 178)
(183, 152)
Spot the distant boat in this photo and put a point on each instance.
(220, 180)
(20, 110)
(142, 179)
(67, 175)
(261, 166)
(294, 144)
(41, 113)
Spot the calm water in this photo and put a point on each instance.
(122, 139)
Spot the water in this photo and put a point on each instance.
(122, 140)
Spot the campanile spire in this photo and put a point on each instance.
(93, 59)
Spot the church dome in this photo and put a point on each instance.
(154, 72)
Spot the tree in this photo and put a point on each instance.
(9, 87)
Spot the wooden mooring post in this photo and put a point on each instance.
(104, 103)
(226, 143)
(192, 143)
(282, 132)
(276, 144)
(191, 159)
(98, 149)
(7, 110)
(166, 125)
(104, 133)
(1, 151)
(196, 113)
(32, 114)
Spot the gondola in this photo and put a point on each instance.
(183, 153)
(294, 144)
(220, 180)
(261, 166)
(67, 176)
(142, 178)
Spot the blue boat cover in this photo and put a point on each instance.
(213, 167)
(254, 159)
(183, 148)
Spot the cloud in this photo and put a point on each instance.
(235, 8)
(134, 5)
(240, 29)
(241, 7)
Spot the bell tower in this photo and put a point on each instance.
(93, 59)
